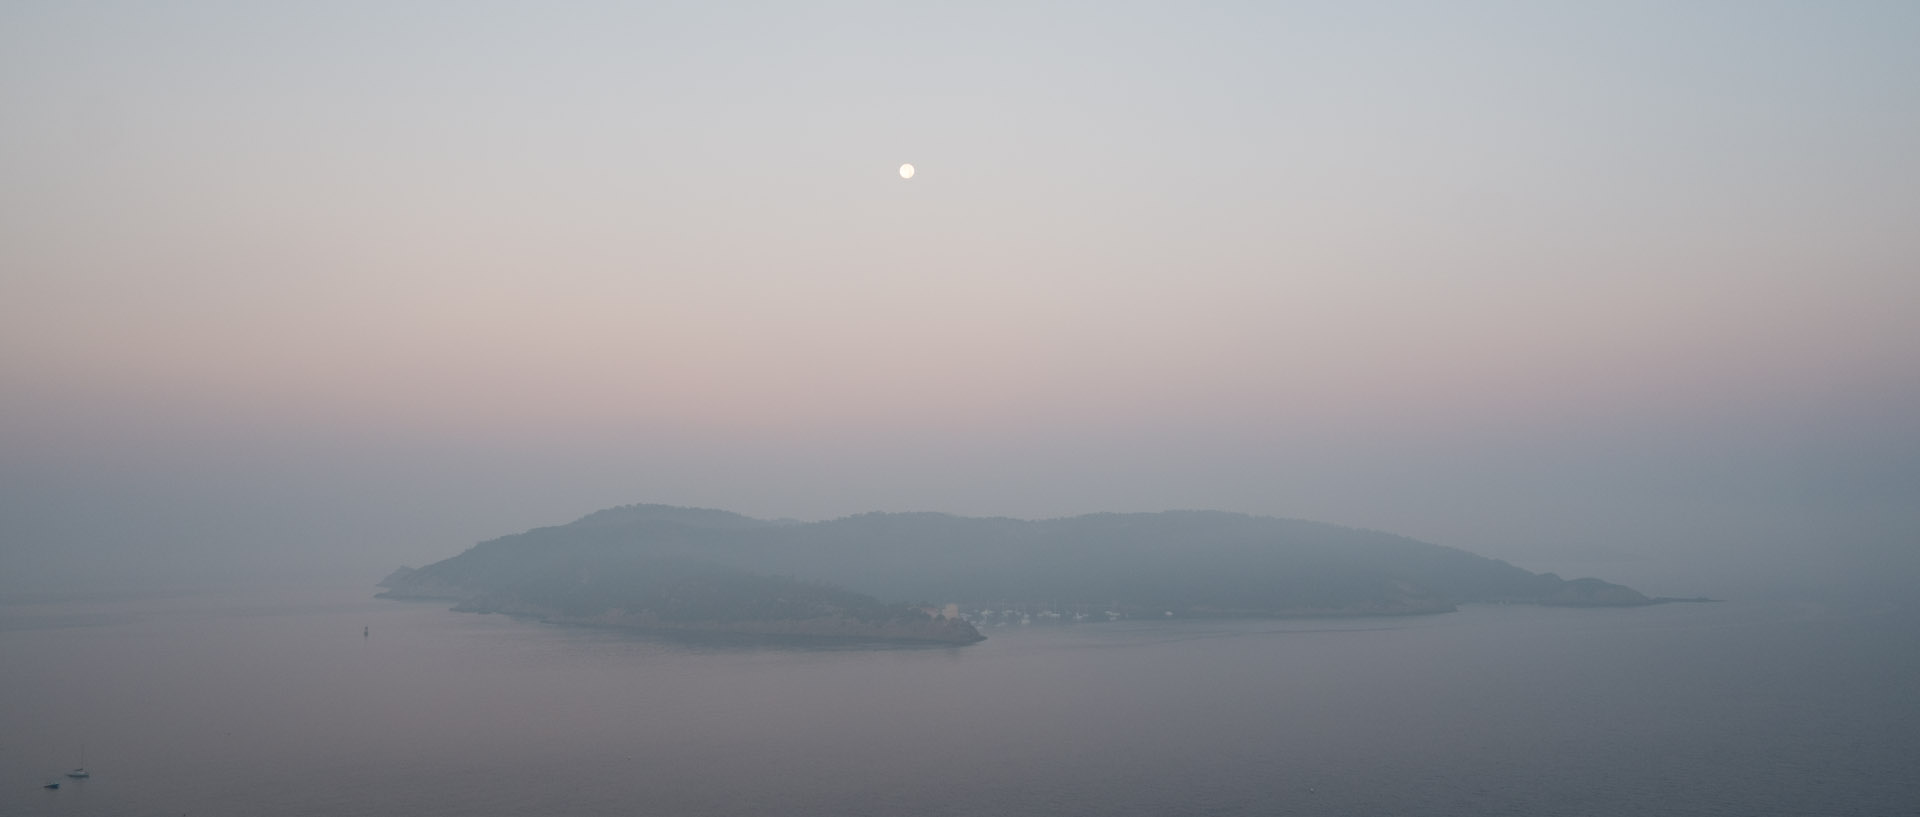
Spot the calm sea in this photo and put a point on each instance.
(276, 704)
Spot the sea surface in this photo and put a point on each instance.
(275, 703)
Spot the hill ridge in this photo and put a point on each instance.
(633, 562)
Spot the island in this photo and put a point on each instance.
(671, 569)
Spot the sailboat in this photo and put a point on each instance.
(80, 771)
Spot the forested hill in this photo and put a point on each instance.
(1183, 562)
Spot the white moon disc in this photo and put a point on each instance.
(906, 171)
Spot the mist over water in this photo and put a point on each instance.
(275, 703)
(290, 292)
(294, 294)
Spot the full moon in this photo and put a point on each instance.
(906, 171)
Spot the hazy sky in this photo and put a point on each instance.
(1612, 288)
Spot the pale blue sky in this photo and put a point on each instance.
(1622, 286)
